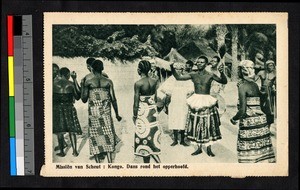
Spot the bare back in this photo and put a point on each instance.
(246, 89)
(63, 86)
(147, 86)
(94, 81)
(250, 89)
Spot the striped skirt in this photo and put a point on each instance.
(203, 121)
(254, 141)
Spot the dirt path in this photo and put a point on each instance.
(225, 149)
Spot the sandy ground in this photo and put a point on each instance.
(225, 150)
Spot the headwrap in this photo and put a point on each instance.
(270, 62)
(247, 68)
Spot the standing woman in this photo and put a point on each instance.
(147, 133)
(65, 118)
(99, 92)
(254, 142)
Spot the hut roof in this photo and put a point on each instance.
(193, 50)
(174, 57)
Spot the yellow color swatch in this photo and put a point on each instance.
(11, 82)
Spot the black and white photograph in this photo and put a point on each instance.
(165, 94)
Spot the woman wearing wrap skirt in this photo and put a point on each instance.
(254, 141)
(99, 92)
(65, 118)
(147, 134)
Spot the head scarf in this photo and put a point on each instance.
(247, 69)
(270, 62)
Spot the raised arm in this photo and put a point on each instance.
(114, 100)
(136, 101)
(179, 77)
(76, 86)
(105, 75)
(222, 79)
(84, 91)
(242, 102)
(156, 88)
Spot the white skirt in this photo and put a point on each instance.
(201, 101)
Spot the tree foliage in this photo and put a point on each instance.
(124, 42)
(128, 42)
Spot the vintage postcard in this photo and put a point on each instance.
(166, 94)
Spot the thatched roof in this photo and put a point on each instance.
(175, 57)
(158, 62)
(193, 50)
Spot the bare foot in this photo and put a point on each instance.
(75, 154)
(198, 151)
(184, 143)
(210, 153)
(174, 143)
(57, 147)
(61, 154)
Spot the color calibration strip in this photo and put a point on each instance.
(20, 95)
(11, 89)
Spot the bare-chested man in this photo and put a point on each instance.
(65, 118)
(268, 90)
(203, 117)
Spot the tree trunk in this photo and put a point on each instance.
(243, 53)
(234, 48)
(221, 31)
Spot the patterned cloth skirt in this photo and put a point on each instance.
(147, 133)
(203, 121)
(102, 136)
(65, 118)
(254, 141)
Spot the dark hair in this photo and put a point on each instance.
(240, 72)
(97, 66)
(55, 65)
(144, 66)
(217, 57)
(189, 62)
(64, 71)
(203, 57)
(90, 60)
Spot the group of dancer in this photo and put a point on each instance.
(96, 89)
(190, 102)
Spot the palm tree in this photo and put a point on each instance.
(234, 51)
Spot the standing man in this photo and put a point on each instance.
(203, 119)
(268, 90)
(217, 88)
(176, 94)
